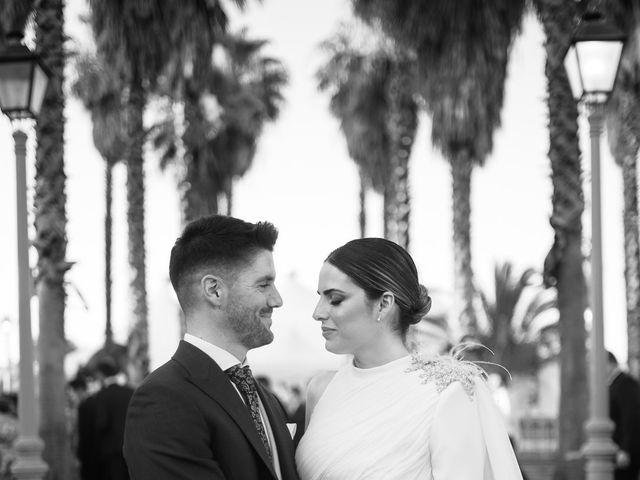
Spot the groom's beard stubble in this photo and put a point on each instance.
(252, 327)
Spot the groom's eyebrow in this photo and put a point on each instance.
(266, 278)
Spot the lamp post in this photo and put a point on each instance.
(23, 82)
(5, 327)
(592, 65)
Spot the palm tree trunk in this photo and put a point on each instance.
(362, 216)
(196, 203)
(388, 210)
(393, 187)
(564, 263)
(632, 260)
(402, 126)
(138, 344)
(108, 187)
(229, 195)
(51, 243)
(464, 313)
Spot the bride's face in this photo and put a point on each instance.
(348, 317)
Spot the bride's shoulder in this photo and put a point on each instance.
(444, 370)
(318, 384)
(315, 388)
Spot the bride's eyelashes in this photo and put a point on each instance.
(336, 301)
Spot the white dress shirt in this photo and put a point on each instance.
(226, 360)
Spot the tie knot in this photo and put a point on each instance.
(240, 374)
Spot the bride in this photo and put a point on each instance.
(390, 414)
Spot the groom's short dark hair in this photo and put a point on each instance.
(217, 241)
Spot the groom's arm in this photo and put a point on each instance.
(166, 438)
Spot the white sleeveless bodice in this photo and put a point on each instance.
(406, 421)
(369, 424)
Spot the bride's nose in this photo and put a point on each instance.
(320, 312)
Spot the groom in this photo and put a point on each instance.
(201, 415)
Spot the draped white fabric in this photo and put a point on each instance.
(386, 423)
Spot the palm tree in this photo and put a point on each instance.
(402, 124)
(435, 26)
(101, 92)
(462, 52)
(359, 103)
(564, 264)
(624, 149)
(13, 16)
(130, 37)
(623, 132)
(188, 83)
(249, 88)
(139, 40)
(243, 91)
(51, 242)
(511, 333)
(372, 92)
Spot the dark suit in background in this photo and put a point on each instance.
(86, 451)
(187, 421)
(624, 410)
(101, 419)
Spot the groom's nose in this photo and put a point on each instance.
(275, 300)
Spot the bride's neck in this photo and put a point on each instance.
(385, 350)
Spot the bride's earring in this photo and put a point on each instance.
(378, 319)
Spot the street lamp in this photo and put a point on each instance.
(5, 327)
(592, 65)
(23, 82)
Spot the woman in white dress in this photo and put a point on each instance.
(390, 414)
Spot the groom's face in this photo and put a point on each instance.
(252, 296)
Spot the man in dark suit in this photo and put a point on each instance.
(202, 416)
(624, 410)
(101, 419)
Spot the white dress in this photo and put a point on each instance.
(408, 419)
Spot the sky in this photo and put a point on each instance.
(304, 182)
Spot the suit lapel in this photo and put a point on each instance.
(280, 433)
(208, 377)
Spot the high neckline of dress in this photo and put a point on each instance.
(385, 367)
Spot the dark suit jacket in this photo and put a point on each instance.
(101, 419)
(86, 452)
(186, 421)
(624, 408)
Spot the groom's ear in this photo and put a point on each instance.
(212, 288)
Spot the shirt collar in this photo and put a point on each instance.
(224, 359)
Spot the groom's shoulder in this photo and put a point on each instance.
(168, 375)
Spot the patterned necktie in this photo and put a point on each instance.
(243, 379)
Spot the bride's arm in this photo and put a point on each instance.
(456, 441)
(315, 389)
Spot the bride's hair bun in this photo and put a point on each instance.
(421, 306)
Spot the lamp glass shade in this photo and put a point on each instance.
(572, 68)
(23, 81)
(598, 62)
(38, 88)
(15, 85)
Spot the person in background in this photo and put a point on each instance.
(624, 410)
(8, 435)
(101, 420)
(297, 413)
